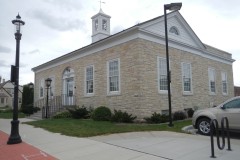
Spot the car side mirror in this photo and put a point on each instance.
(223, 107)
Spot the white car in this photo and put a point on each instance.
(230, 109)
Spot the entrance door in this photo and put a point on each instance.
(68, 97)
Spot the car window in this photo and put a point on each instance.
(232, 104)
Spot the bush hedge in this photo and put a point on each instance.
(102, 113)
(79, 113)
(65, 114)
(179, 115)
(190, 112)
(29, 109)
(157, 118)
(122, 117)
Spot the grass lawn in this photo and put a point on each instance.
(9, 115)
(88, 128)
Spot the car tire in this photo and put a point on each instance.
(204, 126)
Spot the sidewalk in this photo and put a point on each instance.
(20, 151)
(125, 146)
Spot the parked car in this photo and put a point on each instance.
(230, 109)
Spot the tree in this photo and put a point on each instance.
(27, 100)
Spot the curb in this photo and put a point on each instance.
(189, 129)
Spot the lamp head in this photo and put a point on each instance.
(48, 82)
(173, 6)
(30, 85)
(18, 23)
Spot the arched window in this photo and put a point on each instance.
(174, 30)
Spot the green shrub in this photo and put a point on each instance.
(101, 113)
(164, 118)
(123, 117)
(157, 118)
(64, 114)
(190, 112)
(6, 110)
(179, 115)
(29, 109)
(79, 113)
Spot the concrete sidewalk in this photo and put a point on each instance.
(125, 146)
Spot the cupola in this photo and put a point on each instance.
(100, 26)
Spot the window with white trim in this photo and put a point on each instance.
(162, 74)
(2, 100)
(224, 83)
(186, 77)
(174, 30)
(41, 88)
(212, 80)
(96, 24)
(104, 24)
(114, 76)
(89, 79)
(52, 87)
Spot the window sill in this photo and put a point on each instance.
(89, 95)
(187, 93)
(113, 94)
(212, 94)
(162, 92)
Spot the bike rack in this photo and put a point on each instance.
(214, 126)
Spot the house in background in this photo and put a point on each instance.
(127, 71)
(7, 93)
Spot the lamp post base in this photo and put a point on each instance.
(14, 137)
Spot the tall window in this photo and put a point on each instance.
(104, 24)
(113, 76)
(89, 80)
(52, 87)
(212, 80)
(162, 74)
(186, 77)
(41, 88)
(224, 83)
(96, 24)
(2, 100)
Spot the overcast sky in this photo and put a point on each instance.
(56, 27)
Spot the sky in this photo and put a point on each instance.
(56, 27)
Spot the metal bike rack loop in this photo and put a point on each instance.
(214, 126)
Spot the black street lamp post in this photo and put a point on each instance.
(48, 84)
(14, 136)
(171, 7)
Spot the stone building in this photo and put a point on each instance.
(127, 70)
(236, 91)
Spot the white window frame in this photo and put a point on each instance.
(158, 69)
(119, 78)
(52, 87)
(85, 86)
(96, 25)
(41, 85)
(224, 78)
(190, 76)
(104, 22)
(174, 30)
(212, 71)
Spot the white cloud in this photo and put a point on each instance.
(56, 27)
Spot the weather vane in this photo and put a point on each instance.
(101, 4)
